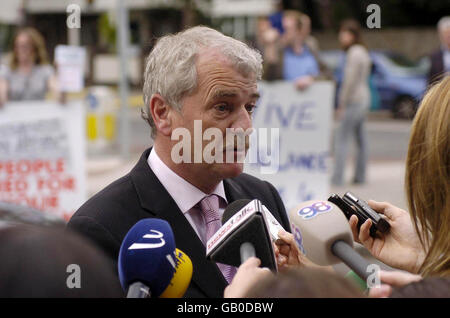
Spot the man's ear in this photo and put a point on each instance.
(160, 110)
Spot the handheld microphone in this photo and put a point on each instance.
(326, 236)
(181, 278)
(273, 225)
(244, 233)
(149, 262)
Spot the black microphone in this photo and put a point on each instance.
(244, 233)
(247, 249)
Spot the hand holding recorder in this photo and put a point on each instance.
(400, 246)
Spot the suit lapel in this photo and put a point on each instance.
(233, 191)
(154, 198)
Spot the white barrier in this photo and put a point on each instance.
(43, 155)
(304, 119)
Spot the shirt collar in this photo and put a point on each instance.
(185, 195)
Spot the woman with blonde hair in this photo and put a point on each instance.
(29, 76)
(419, 241)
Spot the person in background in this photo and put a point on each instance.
(440, 59)
(41, 262)
(299, 64)
(418, 241)
(310, 41)
(313, 45)
(353, 103)
(29, 75)
(195, 76)
(276, 18)
(286, 56)
(267, 42)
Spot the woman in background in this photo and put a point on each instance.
(353, 103)
(29, 76)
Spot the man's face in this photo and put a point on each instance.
(445, 36)
(291, 29)
(24, 48)
(223, 99)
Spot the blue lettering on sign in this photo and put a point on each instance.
(309, 162)
(297, 115)
(309, 212)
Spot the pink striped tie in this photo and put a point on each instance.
(210, 208)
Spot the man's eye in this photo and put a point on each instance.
(221, 108)
(250, 108)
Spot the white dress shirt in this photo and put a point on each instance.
(185, 195)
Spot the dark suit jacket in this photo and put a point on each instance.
(107, 217)
(437, 66)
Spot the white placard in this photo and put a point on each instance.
(304, 120)
(70, 62)
(42, 156)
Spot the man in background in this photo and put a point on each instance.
(440, 59)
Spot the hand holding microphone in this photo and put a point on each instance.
(245, 233)
(400, 247)
(289, 255)
(322, 228)
(247, 275)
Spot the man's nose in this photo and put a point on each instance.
(242, 120)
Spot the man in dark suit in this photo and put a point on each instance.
(440, 59)
(196, 76)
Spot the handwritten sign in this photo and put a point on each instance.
(304, 120)
(42, 156)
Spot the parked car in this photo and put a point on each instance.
(397, 84)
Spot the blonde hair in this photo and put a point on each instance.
(38, 42)
(427, 179)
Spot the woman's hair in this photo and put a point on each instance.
(305, 283)
(171, 66)
(38, 43)
(354, 28)
(431, 287)
(427, 178)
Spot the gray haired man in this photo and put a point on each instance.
(198, 75)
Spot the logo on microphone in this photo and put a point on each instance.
(298, 238)
(157, 235)
(309, 212)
